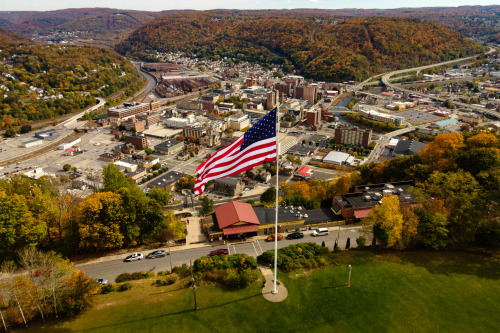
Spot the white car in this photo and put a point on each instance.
(133, 257)
(320, 232)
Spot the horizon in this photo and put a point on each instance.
(198, 5)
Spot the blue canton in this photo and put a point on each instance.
(264, 129)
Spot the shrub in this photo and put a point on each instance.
(107, 288)
(361, 241)
(182, 271)
(124, 286)
(133, 276)
(348, 243)
(293, 257)
(171, 279)
(488, 235)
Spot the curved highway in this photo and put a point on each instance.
(387, 76)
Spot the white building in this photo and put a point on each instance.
(32, 143)
(338, 158)
(67, 145)
(239, 121)
(175, 122)
(379, 116)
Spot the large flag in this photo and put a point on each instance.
(257, 145)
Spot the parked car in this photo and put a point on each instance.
(320, 232)
(295, 235)
(101, 281)
(270, 238)
(133, 257)
(156, 254)
(219, 251)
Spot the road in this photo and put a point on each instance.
(111, 269)
(387, 76)
(143, 94)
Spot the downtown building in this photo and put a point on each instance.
(349, 135)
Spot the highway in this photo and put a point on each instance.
(387, 76)
(110, 269)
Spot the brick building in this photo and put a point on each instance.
(139, 142)
(313, 118)
(345, 134)
(307, 93)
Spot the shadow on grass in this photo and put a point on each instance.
(170, 314)
(337, 286)
(447, 263)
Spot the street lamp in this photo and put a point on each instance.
(348, 280)
(194, 292)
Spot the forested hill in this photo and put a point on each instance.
(44, 81)
(319, 46)
(9, 38)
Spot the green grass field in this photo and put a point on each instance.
(409, 292)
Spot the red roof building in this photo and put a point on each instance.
(305, 170)
(236, 217)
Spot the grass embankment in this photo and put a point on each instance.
(417, 292)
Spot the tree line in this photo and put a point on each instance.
(44, 214)
(316, 45)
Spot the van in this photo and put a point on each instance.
(320, 232)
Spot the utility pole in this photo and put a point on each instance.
(170, 256)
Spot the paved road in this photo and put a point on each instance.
(386, 77)
(110, 269)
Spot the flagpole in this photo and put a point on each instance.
(275, 291)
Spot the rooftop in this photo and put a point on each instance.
(233, 212)
(166, 179)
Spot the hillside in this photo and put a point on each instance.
(41, 82)
(102, 24)
(318, 46)
(481, 22)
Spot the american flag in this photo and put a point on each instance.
(253, 148)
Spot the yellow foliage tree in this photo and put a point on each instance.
(386, 222)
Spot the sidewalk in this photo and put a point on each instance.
(267, 291)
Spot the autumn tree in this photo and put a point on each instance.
(161, 195)
(99, 217)
(386, 222)
(441, 153)
(113, 179)
(18, 227)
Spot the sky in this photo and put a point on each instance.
(158, 5)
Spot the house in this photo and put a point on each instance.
(111, 157)
(228, 186)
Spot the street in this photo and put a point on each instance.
(111, 269)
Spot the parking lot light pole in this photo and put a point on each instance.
(194, 292)
(349, 279)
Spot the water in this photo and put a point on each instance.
(345, 101)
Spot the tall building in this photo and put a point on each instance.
(305, 92)
(272, 100)
(352, 135)
(284, 88)
(312, 118)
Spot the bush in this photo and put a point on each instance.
(361, 241)
(488, 235)
(182, 271)
(348, 243)
(171, 279)
(297, 256)
(133, 276)
(234, 261)
(107, 288)
(124, 286)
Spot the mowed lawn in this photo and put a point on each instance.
(409, 292)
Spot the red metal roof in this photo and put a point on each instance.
(234, 212)
(240, 229)
(359, 214)
(305, 170)
(385, 93)
(69, 150)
